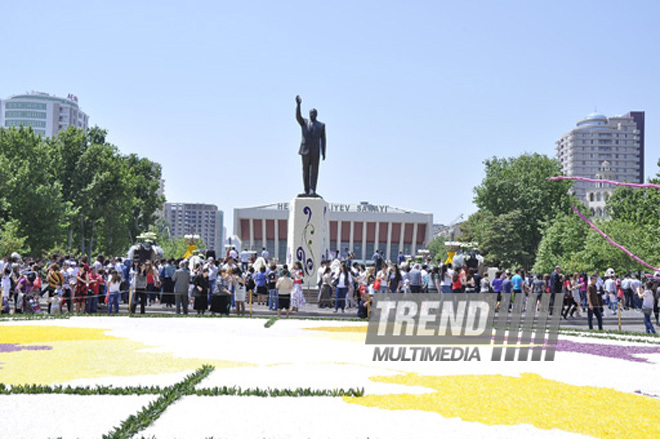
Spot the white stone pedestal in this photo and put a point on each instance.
(308, 236)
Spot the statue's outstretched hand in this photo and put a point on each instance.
(298, 100)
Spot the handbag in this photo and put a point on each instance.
(377, 284)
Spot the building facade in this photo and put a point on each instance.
(599, 146)
(46, 114)
(205, 220)
(362, 228)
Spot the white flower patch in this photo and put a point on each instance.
(162, 380)
(309, 375)
(320, 417)
(66, 416)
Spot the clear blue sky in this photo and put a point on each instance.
(415, 95)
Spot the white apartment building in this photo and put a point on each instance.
(46, 114)
(605, 148)
(205, 220)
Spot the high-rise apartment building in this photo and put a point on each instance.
(205, 220)
(605, 148)
(46, 114)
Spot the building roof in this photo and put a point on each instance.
(593, 119)
(340, 207)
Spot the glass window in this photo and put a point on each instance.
(282, 254)
(270, 245)
(29, 114)
(31, 105)
(27, 123)
(357, 249)
(370, 251)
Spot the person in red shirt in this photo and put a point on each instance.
(95, 279)
(82, 287)
(153, 282)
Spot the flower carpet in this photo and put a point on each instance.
(124, 377)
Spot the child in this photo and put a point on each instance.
(239, 291)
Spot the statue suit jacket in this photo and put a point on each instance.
(313, 138)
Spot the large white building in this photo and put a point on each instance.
(46, 114)
(362, 228)
(603, 147)
(205, 220)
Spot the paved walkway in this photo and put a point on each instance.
(631, 320)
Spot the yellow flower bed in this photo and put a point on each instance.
(47, 334)
(528, 399)
(84, 353)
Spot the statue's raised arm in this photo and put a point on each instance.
(299, 117)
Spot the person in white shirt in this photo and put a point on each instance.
(233, 254)
(610, 288)
(319, 278)
(98, 263)
(6, 287)
(485, 284)
(245, 260)
(114, 281)
(446, 275)
(344, 280)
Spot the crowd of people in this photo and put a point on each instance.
(220, 286)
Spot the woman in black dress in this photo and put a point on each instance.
(201, 285)
(166, 274)
(222, 294)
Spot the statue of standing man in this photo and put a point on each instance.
(312, 146)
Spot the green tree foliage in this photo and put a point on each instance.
(637, 206)
(77, 190)
(438, 249)
(29, 195)
(633, 223)
(563, 244)
(571, 243)
(641, 239)
(516, 201)
(177, 247)
(11, 241)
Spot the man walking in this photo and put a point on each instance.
(415, 279)
(181, 279)
(555, 285)
(595, 302)
(378, 261)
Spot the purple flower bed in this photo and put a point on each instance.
(13, 347)
(607, 350)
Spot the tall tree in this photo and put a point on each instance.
(30, 195)
(75, 189)
(518, 202)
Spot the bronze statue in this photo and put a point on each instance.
(311, 146)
